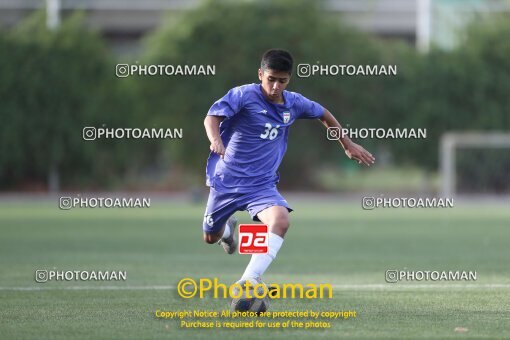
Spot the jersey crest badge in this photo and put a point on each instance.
(286, 117)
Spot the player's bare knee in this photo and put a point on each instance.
(211, 238)
(280, 225)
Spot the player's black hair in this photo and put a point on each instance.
(277, 60)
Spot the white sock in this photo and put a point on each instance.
(260, 262)
(226, 232)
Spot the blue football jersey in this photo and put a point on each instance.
(255, 133)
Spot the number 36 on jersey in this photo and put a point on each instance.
(270, 131)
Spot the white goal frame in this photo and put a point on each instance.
(451, 141)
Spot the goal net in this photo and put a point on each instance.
(475, 163)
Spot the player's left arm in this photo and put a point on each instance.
(352, 150)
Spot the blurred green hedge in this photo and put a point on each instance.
(53, 84)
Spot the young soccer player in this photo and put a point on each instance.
(248, 129)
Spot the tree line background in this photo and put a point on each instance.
(54, 83)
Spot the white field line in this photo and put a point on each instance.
(360, 287)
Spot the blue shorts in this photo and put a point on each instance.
(220, 206)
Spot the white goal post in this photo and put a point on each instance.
(451, 141)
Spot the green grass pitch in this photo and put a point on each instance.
(330, 241)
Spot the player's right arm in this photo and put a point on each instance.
(212, 128)
(224, 108)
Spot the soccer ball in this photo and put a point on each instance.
(244, 303)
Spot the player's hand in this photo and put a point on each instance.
(218, 147)
(358, 153)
